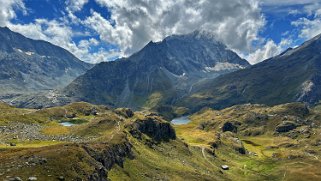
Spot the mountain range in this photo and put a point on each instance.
(180, 74)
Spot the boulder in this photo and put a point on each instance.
(32, 178)
(225, 167)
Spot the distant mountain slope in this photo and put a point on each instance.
(295, 75)
(28, 65)
(160, 74)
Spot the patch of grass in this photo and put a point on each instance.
(153, 100)
(56, 130)
(69, 161)
(29, 144)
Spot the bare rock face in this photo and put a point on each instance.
(157, 130)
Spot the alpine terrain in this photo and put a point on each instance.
(186, 108)
(157, 76)
(31, 66)
(294, 75)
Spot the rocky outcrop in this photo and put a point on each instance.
(156, 129)
(126, 112)
(230, 126)
(100, 174)
(110, 155)
(107, 155)
(286, 126)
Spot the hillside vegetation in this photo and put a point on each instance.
(256, 142)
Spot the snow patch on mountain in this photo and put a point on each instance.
(223, 66)
(27, 53)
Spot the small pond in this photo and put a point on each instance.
(72, 122)
(181, 120)
(67, 124)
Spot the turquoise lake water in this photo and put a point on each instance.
(181, 120)
(67, 124)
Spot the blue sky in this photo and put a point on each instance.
(102, 30)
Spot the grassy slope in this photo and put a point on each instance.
(272, 157)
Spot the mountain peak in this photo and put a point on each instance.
(168, 69)
(4, 28)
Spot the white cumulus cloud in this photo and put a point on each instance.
(269, 50)
(75, 5)
(311, 26)
(134, 23)
(8, 10)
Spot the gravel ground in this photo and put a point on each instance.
(30, 132)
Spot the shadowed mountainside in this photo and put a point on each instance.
(294, 75)
(31, 66)
(160, 74)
